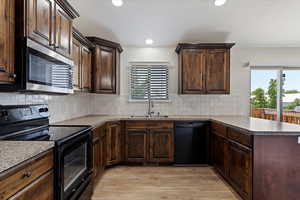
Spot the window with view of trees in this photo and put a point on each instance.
(275, 94)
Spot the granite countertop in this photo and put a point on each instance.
(13, 153)
(253, 125)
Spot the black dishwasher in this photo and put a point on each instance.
(191, 143)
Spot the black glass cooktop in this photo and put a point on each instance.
(44, 133)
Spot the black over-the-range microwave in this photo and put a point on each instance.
(41, 70)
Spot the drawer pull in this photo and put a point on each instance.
(11, 75)
(27, 174)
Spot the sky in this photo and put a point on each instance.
(261, 78)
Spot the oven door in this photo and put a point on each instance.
(47, 71)
(74, 166)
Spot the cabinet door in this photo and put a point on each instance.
(41, 21)
(86, 68)
(114, 143)
(193, 71)
(76, 52)
(220, 154)
(63, 29)
(161, 145)
(96, 155)
(240, 169)
(218, 72)
(136, 145)
(7, 41)
(42, 188)
(105, 70)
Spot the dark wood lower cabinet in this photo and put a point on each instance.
(219, 153)
(161, 145)
(42, 188)
(240, 169)
(113, 143)
(149, 142)
(136, 145)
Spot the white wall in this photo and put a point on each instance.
(237, 103)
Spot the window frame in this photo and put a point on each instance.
(279, 78)
(148, 64)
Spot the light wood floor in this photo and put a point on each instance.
(165, 183)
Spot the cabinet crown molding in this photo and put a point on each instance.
(68, 8)
(181, 46)
(106, 43)
(82, 39)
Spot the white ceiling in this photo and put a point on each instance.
(167, 22)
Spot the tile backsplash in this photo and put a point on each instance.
(61, 107)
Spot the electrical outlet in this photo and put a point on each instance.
(298, 139)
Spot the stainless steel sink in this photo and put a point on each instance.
(149, 117)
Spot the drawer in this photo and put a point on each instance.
(240, 137)
(19, 178)
(219, 129)
(149, 124)
(44, 186)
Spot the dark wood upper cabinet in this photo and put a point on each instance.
(7, 41)
(86, 67)
(41, 21)
(76, 54)
(47, 22)
(218, 71)
(106, 55)
(161, 145)
(193, 71)
(63, 30)
(204, 68)
(82, 57)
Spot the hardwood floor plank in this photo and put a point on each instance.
(162, 183)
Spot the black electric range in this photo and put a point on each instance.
(72, 145)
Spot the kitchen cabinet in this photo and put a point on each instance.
(220, 153)
(204, 68)
(99, 152)
(113, 143)
(32, 179)
(161, 145)
(82, 55)
(231, 156)
(106, 64)
(136, 145)
(47, 22)
(63, 32)
(41, 21)
(240, 169)
(149, 142)
(76, 54)
(7, 41)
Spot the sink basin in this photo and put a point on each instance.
(149, 117)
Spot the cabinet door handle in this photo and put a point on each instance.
(27, 174)
(11, 75)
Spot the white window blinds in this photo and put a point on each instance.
(149, 79)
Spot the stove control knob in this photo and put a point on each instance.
(3, 113)
(43, 110)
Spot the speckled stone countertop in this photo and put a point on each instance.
(252, 125)
(13, 153)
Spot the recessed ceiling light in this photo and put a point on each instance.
(117, 3)
(149, 41)
(220, 2)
